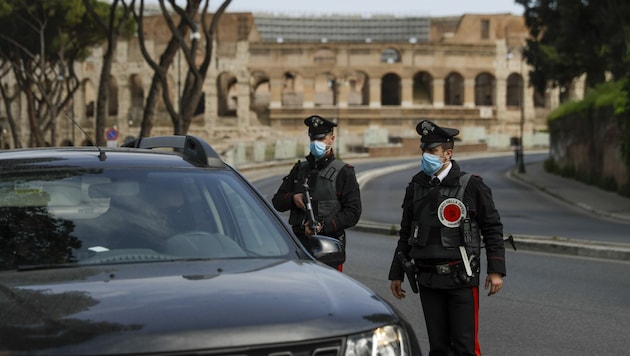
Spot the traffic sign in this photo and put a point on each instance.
(111, 134)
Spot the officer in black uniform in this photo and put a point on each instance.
(333, 187)
(447, 215)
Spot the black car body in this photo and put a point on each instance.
(89, 266)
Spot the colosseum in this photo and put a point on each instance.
(376, 76)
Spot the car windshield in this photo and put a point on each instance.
(132, 215)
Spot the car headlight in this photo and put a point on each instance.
(389, 340)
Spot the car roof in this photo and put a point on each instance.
(159, 151)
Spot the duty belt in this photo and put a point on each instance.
(445, 268)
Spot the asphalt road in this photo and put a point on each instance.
(524, 210)
(550, 305)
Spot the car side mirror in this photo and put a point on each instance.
(327, 250)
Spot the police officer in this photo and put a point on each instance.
(333, 188)
(447, 214)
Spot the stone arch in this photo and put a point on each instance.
(391, 90)
(514, 92)
(89, 98)
(136, 94)
(485, 89)
(423, 88)
(454, 89)
(112, 99)
(390, 55)
(325, 89)
(260, 89)
(292, 90)
(227, 94)
(358, 83)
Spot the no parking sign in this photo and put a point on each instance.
(112, 136)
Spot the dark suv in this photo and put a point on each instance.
(162, 248)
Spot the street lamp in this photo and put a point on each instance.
(521, 160)
(334, 85)
(521, 101)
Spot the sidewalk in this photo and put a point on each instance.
(593, 199)
(587, 197)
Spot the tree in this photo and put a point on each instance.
(41, 41)
(569, 38)
(118, 24)
(8, 97)
(187, 24)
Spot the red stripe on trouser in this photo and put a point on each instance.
(475, 291)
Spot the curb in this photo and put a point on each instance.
(555, 245)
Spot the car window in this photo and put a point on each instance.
(133, 215)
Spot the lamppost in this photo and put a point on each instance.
(521, 101)
(334, 85)
(521, 160)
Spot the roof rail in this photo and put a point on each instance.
(193, 148)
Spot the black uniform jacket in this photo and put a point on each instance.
(347, 190)
(478, 199)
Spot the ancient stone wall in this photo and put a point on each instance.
(589, 143)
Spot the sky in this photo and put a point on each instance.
(431, 8)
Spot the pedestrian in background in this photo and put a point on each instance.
(333, 188)
(447, 215)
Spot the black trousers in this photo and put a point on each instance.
(451, 316)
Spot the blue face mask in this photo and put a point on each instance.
(430, 163)
(318, 149)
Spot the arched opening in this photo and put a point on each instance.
(260, 90)
(390, 90)
(485, 90)
(390, 55)
(136, 92)
(358, 88)
(422, 88)
(227, 94)
(454, 89)
(292, 90)
(89, 95)
(514, 93)
(325, 90)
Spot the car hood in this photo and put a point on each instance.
(198, 305)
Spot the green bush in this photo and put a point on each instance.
(611, 94)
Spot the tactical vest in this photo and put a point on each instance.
(466, 234)
(323, 192)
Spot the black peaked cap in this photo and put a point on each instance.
(432, 135)
(318, 127)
